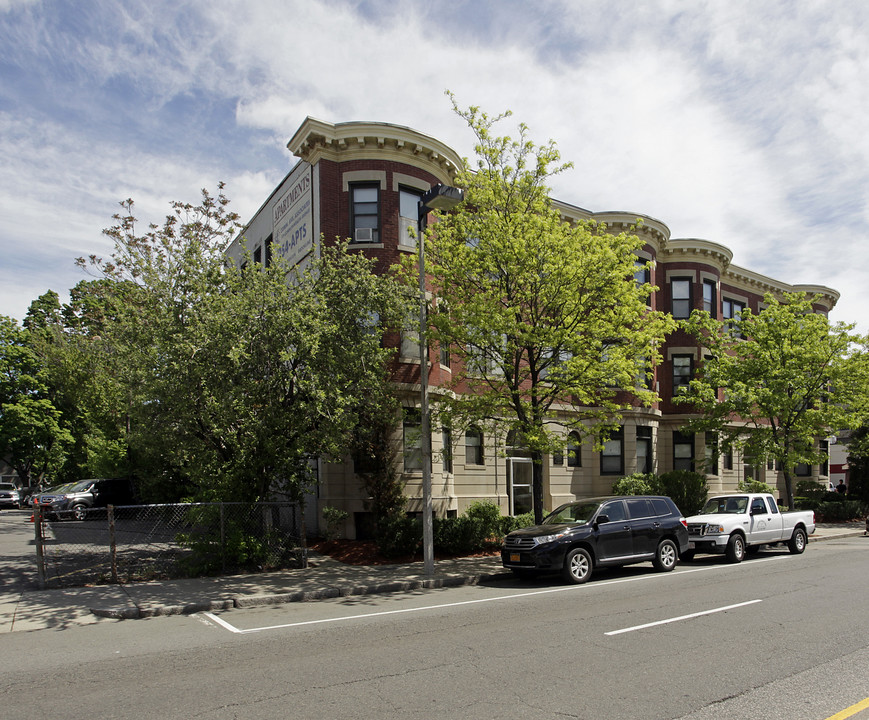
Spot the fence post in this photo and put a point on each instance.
(112, 547)
(40, 549)
(222, 538)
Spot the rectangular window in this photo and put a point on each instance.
(680, 298)
(803, 470)
(730, 313)
(644, 449)
(683, 451)
(643, 276)
(639, 508)
(447, 452)
(365, 213)
(728, 458)
(612, 459)
(710, 297)
(711, 453)
(408, 217)
(473, 447)
(258, 255)
(409, 344)
(683, 367)
(412, 427)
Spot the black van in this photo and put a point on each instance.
(75, 500)
(595, 532)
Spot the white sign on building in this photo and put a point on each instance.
(293, 218)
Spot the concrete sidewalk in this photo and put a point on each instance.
(325, 578)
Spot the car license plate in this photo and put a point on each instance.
(514, 557)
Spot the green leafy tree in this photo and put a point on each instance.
(33, 439)
(551, 329)
(83, 376)
(773, 382)
(236, 377)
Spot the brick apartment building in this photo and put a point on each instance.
(363, 180)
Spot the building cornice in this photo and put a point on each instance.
(316, 140)
(622, 221)
(826, 295)
(696, 249)
(761, 283)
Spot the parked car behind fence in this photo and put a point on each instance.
(8, 495)
(73, 501)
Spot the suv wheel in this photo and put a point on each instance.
(577, 566)
(736, 548)
(79, 512)
(665, 556)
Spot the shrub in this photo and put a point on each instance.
(486, 516)
(480, 528)
(508, 524)
(687, 489)
(398, 535)
(806, 503)
(839, 511)
(457, 536)
(636, 484)
(754, 486)
(334, 520)
(810, 489)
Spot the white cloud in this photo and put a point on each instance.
(739, 122)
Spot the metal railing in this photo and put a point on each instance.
(134, 543)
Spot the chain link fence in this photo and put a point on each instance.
(156, 542)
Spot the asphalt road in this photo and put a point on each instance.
(778, 636)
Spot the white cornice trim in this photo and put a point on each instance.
(678, 248)
(316, 140)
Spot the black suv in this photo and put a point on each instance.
(596, 532)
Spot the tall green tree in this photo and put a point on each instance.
(551, 329)
(237, 377)
(33, 439)
(773, 382)
(81, 373)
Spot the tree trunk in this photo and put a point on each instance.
(789, 489)
(537, 485)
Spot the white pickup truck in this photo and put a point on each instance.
(741, 523)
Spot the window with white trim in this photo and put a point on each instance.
(612, 457)
(680, 298)
(365, 212)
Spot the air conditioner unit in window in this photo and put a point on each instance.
(364, 235)
(407, 231)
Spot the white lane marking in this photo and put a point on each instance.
(682, 617)
(548, 591)
(222, 623)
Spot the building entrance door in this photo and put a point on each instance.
(519, 474)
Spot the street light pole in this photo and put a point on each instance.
(440, 197)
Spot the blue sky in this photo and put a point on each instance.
(739, 122)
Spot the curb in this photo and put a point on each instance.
(326, 593)
(850, 533)
(334, 591)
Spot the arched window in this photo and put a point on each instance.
(574, 450)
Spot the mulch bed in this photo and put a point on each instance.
(364, 552)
